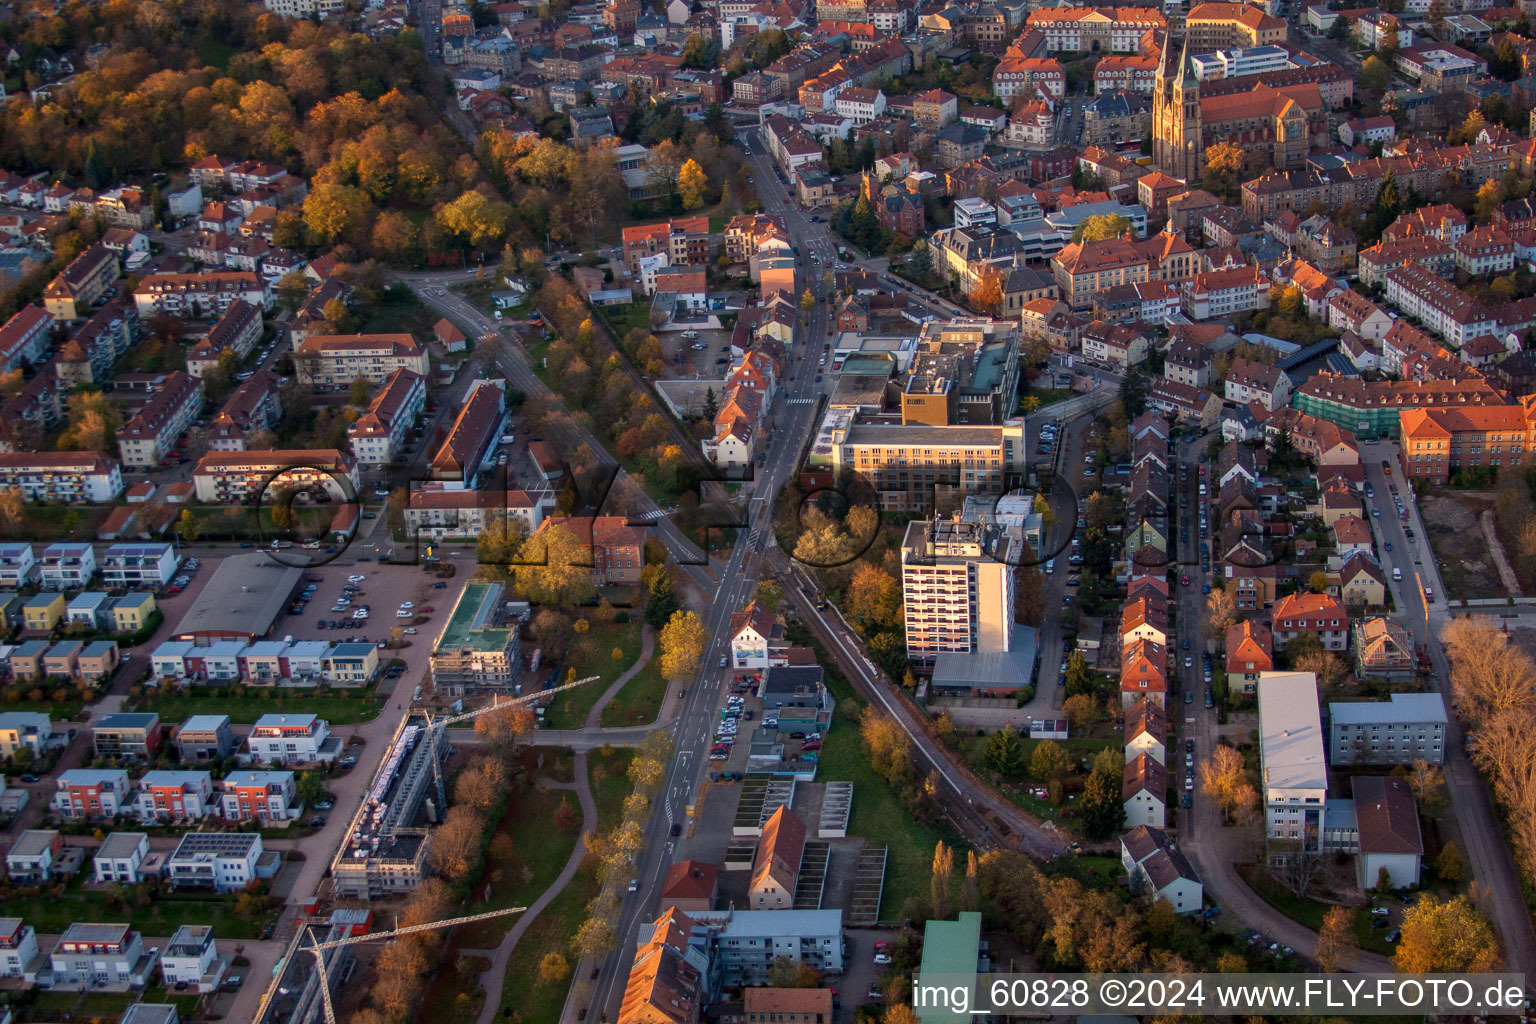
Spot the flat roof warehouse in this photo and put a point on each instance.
(242, 599)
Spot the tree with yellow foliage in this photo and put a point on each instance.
(682, 645)
(692, 184)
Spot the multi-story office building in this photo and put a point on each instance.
(1407, 728)
(1291, 763)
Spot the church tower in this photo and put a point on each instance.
(1177, 146)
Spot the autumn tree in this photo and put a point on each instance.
(13, 507)
(1223, 168)
(940, 878)
(455, 849)
(1326, 665)
(682, 645)
(807, 301)
(1448, 937)
(334, 212)
(692, 184)
(1221, 775)
(481, 784)
(769, 594)
(1048, 761)
(1336, 938)
(554, 568)
(1375, 75)
(501, 729)
(890, 753)
(594, 938)
(1099, 227)
(1449, 867)
(1080, 711)
(874, 596)
(987, 293)
(553, 968)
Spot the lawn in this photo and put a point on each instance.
(592, 655)
(214, 53)
(623, 319)
(336, 708)
(640, 700)
(400, 310)
(51, 914)
(540, 850)
(57, 522)
(1310, 912)
(1046, 396)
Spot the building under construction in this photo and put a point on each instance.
(385, 851)
(294, 995)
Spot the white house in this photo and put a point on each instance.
(1143, 788)
(1146, 731)
(31, 857)
(220, 861)
(90, 954)
(30, 729)
(754, 633)
(120, 857)
(290, 739)
(18, 948)
(1159, 870)
(139, 566)
(66, 565)
(191, 958)
(1291, 762)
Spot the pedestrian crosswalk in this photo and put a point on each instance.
(649, 515)
(802, 401)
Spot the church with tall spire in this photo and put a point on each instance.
(1178, 147)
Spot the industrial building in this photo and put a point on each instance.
(241, 600)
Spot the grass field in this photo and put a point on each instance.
(592, 655)
(400, 310)
(336, 708)
(640, 700)
(52, 914)
(539, 851)
(1310, 912)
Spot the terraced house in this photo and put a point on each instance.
(1370, 409)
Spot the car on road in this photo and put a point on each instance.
(1189, 662)
(677, 830)
(1189, 745)
(634, 885)
(1186, 643)
(1189, 781)
(1189, 697)
(28, 777)
(1187, 802)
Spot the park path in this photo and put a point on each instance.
(493, 978)
(1496, 552)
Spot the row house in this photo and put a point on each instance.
(148, 438)
(1351, 311)
(1250, 651)
(1441, 221)
(222, 478)
(1428, 252)
(1184, 403)
(87, 793)
(175, 796)
(1440, 306)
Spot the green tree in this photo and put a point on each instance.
(1375, 74)
(1133, 391)
(1102, 810)
(1004, 753)
(1048, 761)
(187, 526)
(361, 391)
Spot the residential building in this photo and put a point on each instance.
(1291, 763)
(191, 959)
(751, 940)
(478, 648)
(175, 796)
(1391, 845)
(222, 478)
(205, 738)
(1486, 250)
(684, 241)
(259, 796)
(18, 949)
(1406, 728)
(616, 550)
(31, 858)
(1351, 311)
(1095, 29)
(1250, 653)
(1146, 731)
(958, 597)
(380, 433)
(66, 565)
(437, 513)
(91, 793)
(755, 635)
(30, 729)
(65, 477)
(1158, 870)
(131, 565)
(1143, 672)
(127, 736)
(472, 438)
(336, 360)
(24, 338)
(217, 861)
(1224, 293)
(1082, 270)
(1143, 791)
(1371, 409)
(1314, 613)
(120, 858)
(777, 864)
(253, 407)
(200, 296)
(1437, 442)
(89, 955)
(787, 1005)
(18, 565)
(669, 981)
(691, 887)
(82, 284)
(146, 440)
(292, 739)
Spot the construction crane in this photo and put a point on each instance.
(319, 949)
(434, 723)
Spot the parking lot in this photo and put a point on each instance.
(363, 602)
(701, 353)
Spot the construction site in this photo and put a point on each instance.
(385, 851)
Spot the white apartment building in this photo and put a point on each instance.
(1439, 305)
(751, 940)
(133, 566)
(958, 597)
(379, 434)
(860, 105)
(30, 729)
(1407, 728)
(222, 478)
(1255, 60)
(336, 360)
(1294, 772)
(67, 477)
(90, 954)
(285, 738)
(1219, 293)
(191, 958)
(1486, 250)
(439, 513)
(199, 296)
